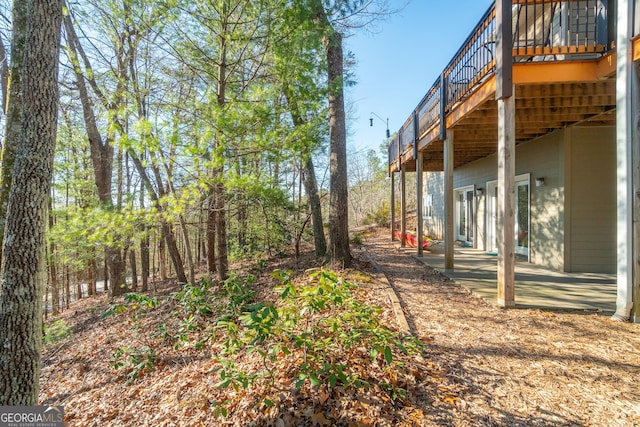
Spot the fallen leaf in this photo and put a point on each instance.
(450, 400)
(318, 419)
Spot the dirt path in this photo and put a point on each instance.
(516, 367)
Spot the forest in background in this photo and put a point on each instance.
(191, 133)
(160, 139)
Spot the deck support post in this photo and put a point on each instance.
(419, 199)
(392, 205)
(403, 205)
(505, 227)
(625, 134)
(448, 201)
(635, 297)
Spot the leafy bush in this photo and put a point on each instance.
(238, 291)
(56, 331)
(381, 216)
(356, 239)
(318, 321)
(196, 298)
(133, 361)
(135, 305)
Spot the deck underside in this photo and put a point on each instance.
(549, 96)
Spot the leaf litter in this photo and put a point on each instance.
(478, 365)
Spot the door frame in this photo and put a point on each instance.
(470, 216)
(526, 179)
(491, 214)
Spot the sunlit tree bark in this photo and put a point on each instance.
(23, 267)
(13, 108)
(338, 251)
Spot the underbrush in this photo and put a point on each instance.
(56, 331)
(318, 337)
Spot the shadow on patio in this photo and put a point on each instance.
(535, 287)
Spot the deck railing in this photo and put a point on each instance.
(636, 18)
(407, 135)
(543, 30)
(394, 147)
(429, 108)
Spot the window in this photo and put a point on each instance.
(428, 206)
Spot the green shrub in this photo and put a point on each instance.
(356, 239)
(196, 298)
(318, 319)
(380, 217)
(135, 305)
(133, 361)
(56, 331)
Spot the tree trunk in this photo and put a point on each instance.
(339, 251)
(78, 289)
(313, 199)
(144, 249)
(219, 190)
(101, 153)
(211, 237)
(67, 288)
(4, 76)
(55, 287)
(92, 271)
(162, 256)
(187, 248)
(167, 230)
(23, 268)
(53, 270)
(222, 263)
(105, 273)
(13, 127)
(134, 269)
(115, 264)
(309, 180)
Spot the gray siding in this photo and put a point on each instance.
(544, 158)
(434, 185)
(572, 217)
(591, 225)
(540, 158)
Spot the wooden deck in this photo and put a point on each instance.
(549, 96)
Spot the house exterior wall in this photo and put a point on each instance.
(572, 217)
(544, 158)
(591, 202)
(434, 190)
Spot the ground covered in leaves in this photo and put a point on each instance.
(283, 343)
(320, 348)
(522, 367)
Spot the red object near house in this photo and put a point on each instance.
(412, 239)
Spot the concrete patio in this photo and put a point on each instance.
(535, 287)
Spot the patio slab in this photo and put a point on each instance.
(535, 287)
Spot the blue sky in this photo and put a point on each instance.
(399, 62)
